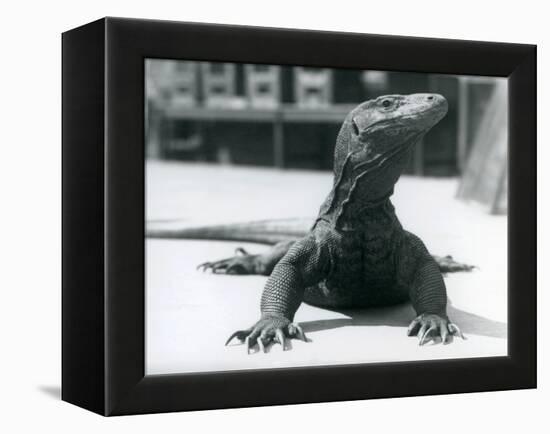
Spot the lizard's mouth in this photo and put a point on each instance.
(381, 160)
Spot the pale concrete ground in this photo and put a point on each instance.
(190, 314)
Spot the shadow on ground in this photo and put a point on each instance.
(402, 315)
(51, 391)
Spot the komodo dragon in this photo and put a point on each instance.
(356, 254)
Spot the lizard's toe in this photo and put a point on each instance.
(294, 330)
(453, 328)
(239, 334)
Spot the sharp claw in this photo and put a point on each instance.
(231, 338)
(204, 266)
(214, 266)
(453, 328)
(267, 341)
(237, 334)
(248, 345)
(263, 340)
(261, 345)
(414, 324)
(280, 337)
(240, 251)
(301, 333)
(295, 331)
(426, 334)
(423, 328)
(444, 333)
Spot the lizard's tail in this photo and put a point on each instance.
(448, 265)
(264, 232)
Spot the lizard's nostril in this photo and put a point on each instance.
(430, 97)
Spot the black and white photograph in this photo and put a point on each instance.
(279, 217)
(300, 216)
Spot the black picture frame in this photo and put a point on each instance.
(103, 216)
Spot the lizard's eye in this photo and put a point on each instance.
(386, 103)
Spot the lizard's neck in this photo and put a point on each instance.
(360, 190)
(350, 202)
(356, 215)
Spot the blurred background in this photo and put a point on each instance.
(288, 118)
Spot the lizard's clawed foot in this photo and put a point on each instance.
(269, 329)
(447, 264)
(430, 326)
(241, 263)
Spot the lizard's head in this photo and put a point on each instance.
(380, 126)
(373, 149)
(377, 137)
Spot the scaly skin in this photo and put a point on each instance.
(356, 254)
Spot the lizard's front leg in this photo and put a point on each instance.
(302, 266)
(428, 295)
